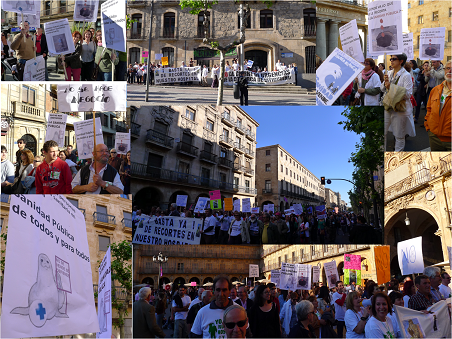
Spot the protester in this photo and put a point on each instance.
(367, 85)
(87, 56)
(208, 231)
(214, 76)
(433, 273)
(243, 87)
(305, 316)
(243, 299)
(6, 51)
(180, 314)
(124, 172)
(7, 169)
(263, 316)
(21, 143)
(255, 227)
(238, 232)
(338, 300)
(204, 299)
(235, 322)
(73, 61)
(73, 166)
(396, 300)
(435, 76)
(421, 92)
(42, 49)
(288, 314)
(423, 298)
(21, 172)
(23, 44)
(270, 234)
(444, 288)
(379, 325)
(105, 58)
(160, 308)
(408, 290)
(144, 321)
(356, 316)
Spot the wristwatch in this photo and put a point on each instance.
(364, 318)
(107, 183)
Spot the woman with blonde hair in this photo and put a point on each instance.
(356, 316)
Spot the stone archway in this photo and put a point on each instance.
(148, 197)
(207, 280)
(164, 281)
(195, 279)
(148, 281)
(179, 281)
(259, 57)
(257, 48)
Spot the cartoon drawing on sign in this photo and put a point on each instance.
(334, 73)
(87, 147)
(46, 298)
(60, 43)
(384, 38)
(122, 147)
(413, 328)
(432, 50)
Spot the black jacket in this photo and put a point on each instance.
(243, 82)
(249, 303)
(44, 48)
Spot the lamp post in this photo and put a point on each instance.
(160, 259)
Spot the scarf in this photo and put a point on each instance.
(366, 76)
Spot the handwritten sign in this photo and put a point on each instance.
(352, 262)
(275, 276)
(56, 126)
(228, 204)
(350, 42)
(254, 271)
(382, 264)
(84, 135)
(181, 200)
(410, 256)
(246, 205)
(179, 74)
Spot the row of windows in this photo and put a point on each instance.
(191, 115)
(101, 209)
(289, 187)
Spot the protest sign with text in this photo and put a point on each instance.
(113, 21)
(215, 199)
(104, 311)
(410, 256)
(321, 212)
(86, 10)
(269, 208)
(350, 42)
(298, 209)
(59, 38)
(382, 264)
(408, 46)
(56, 126)
(35, 69)
(255, 210)
(122, 142)
(315, 274)
(331, 273)
(253, 271)
(246, 205)
(275, 276)
(201, 204)
(236, 204)
(20, 6)
(84, 135)
(303, 276)
(263, 78)
(228, 204)
(179, 74)
(181, 200)
(288, 278)
(431, 43)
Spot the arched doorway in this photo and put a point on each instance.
(259, 58)
(164, 281)
(340, 271)
(287, 205)
(134, 55)
(30, 143)
(179, 282)
(146, 198)
(148, 281)
(194, 279)
(234, 279)
(207, 280)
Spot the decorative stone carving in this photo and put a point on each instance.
(209, 135)
(189, 124)
(401, 203)
(163, 113)
(430, 195)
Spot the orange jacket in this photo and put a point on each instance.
(440, 125)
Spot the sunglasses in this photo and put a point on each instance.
(36, 161)
(239, 324)
(393, 59)
(113, 152)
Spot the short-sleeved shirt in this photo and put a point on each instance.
(379, 329)
(351, 321)
(209, 322)
(181, 315)
(420, 302)
(340, 310)
(445, 291)
(236, 228)
(210, 221)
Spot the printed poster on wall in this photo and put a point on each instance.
(350, 41)
(56, 126)
(409, 253)
(431, 43)
(122, 142)
(113, 22)
(35, 69)
(86, 10)
(104, 310)
(331, 273)
(59, 38)
(48, 289)
(84, 136)
(275, 276)
(408, 46)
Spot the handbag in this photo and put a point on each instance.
(395, 94)
(16, 187)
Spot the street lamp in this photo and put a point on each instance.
(407, 220)
(160, 259)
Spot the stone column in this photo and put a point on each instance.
(320, 49)
(334, 36)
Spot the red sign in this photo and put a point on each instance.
(167, 287)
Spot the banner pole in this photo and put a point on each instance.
(113, 67)
(64, 69)
(22, 23)
(35, 38)
(94, 130)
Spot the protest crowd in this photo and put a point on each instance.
(266, 311)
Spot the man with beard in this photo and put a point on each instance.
(99, 177)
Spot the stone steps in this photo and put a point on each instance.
(289, 88)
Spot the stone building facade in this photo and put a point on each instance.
(333, 14)
(200, 264)
(418, 192)
(331, 198)
(285, 31)
(283, 181)
(108, 220)
(318, 255)
(191, 150)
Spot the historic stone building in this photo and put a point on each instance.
(191, 150)
(285, 31)
(427, 14)
(331, 15)
(418, 192)
(318, 255)
(108, 220)
(198, 264)
(331, 198)
(283, 181)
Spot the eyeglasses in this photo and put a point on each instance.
(366, 63)
(20, 143)
(238, 323)
(393, 59)
(36, 161)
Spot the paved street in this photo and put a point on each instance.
(179, 95)
(51, 67)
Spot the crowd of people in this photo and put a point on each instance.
(90, 61)
(234, 227)
(265, 311)
(60, 171)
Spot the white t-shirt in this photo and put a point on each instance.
(395, 324)
(351, 321)
(235, 228)
(209, 323)
(194, 302)
(181, 315)
(210, 221)
(445, 291)
(340, 311)
(377, 329)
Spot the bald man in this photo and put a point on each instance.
(99, 177)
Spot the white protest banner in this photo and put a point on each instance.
(289, 211)
(315, 274)
(122, 142)
(179, 74)
(351, 44)
(20, 6)
(236, 205)
(201, 204)
(449, 252)
(84, 136)
(331, 273)
(431, 43)
(263, 78)
(113, 21)
(168, 231)
(86, 10)
(275, 276)
(246, 205)
(104, 311)
(408, 46)
(56, 126)
(34, 19)
(410, 256)
(255, 210)
(181, 200)
(59, 37)
(334, 75)
(297, 208)
(385, 27)
(35, 69)
(92, 97)
(416, 324)
(254, 271)
(303, 276)
(288, 279)
(269, 208)
(48, 289)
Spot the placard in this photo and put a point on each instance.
(201, 204)
(263, 78)
(298, 209)
(254, 210)
(56, 126)
(382, 264)
(431, 43)
(34, 19)
(246, 205)
(215, 199)
(254, 271)
(179, 74)
(331, 273)
(227, 204)
(164, 63)
(181, 200)
(352, 261)
(168, 231)
(350, 41)
(321, 212)
(104, 310)
(334, 75)
(410, 256)
(408, 46)
(303, 276)
(158, 56)
(351, 276)
(122, 142)
(113, 21)
(274, 276)
(449, 251)
(288, 279)
(289, 211)
(84, 136)
(315, 274)
(20, 6)
(59, 38)
(48, 288)
(92, 97)
(35, 69)
(269, 208)
(236, 205)
(86, 10)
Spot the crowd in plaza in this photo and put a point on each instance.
(60, 171)
(265, 311)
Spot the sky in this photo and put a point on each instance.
(312, 136)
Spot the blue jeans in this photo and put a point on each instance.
(159, 318)
(101, 76)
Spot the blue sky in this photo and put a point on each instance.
(312, 135)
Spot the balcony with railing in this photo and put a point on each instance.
(267, 191)
(58, 11)
(239, 148)
(248, 171)
(250, 135)
(104, 220)
(169, 33)
(27, 111)
(187, 149)
(208, 157)
(249, 153)
(224, 140)
(137, 3)
(446, 164)
(119, 292)
(309, 31)
(159, 139)
(360, 3)
(207, 251)
(227, 119)
(239, 127)
(238, 168)
(121, 127)
(224, 162)
(126, 222)
(135, 130)
(247, 190)
(410, 184)
(133, 35)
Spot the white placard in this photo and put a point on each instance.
(254, 271)
(179, 74)
(298, 209)
(34, 19)
(35, 69)
(246, 205)
(269, 208)
(104, 310)
(334, 75)
(275, 276)
(86, 10)
(48, 289)
(236, 205)
(331, 273)
(158, 56)
(449, 252)
(20, 6)
(84, 136)
(122, 142)
(181, 200)
(385, 27)
(410, 256)
(113, 21)
(431, 43)
(254, 210)
(351, 44)
(260, 79)
(168, 231)
(92, 97)
(289, 211)
(288, 279)
(201, 204)
(315, 274)
(408, 46)
(303, 276)
(59, 37)
(56, 126)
